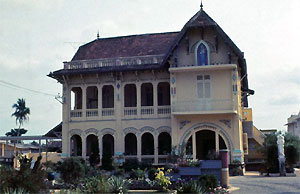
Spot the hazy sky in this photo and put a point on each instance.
(35, 38)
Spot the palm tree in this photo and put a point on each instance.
(21, 113)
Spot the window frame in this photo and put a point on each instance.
(196, 52)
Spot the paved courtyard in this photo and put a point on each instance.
(252, 183)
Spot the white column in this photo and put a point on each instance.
(99, 100)
(139, 147)
(83, 139)
(155, 101)
(156, 149)
(100, 145)
(217, 142)
(83, 88)
(194, 145)
(138, 98)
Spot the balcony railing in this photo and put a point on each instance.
(147, 110)
(163, 110)
(204, 105)
(114, 62)
(108, 112)
(130, 111)
(92, 113)
(76, 113)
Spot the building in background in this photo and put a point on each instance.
(293, 125)
(140, 95)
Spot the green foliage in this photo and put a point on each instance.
(152, 173)
(208, 181)
(291, 149)
(118, 185)
(163, 180)
(191, 187)
(130, 164)
(72, 170)
(119, 172)
(138, 174)
(16, 191)
(177, 152)
(27, 179)
(21, 112)
(95, 185)
(107, 161)
(270, 152)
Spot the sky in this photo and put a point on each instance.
(37, 36)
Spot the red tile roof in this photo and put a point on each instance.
(126, 46)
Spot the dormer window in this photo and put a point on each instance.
(202, 53)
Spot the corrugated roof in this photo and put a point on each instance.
(126, 46)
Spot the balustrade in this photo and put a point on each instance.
(92, 113)
(147, 110)
(108, 112)
(122, 61)
(76, 113)
(203, 105)
(129, 111)
(162, 110)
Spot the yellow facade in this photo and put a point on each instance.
(188, 100)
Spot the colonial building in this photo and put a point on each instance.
(140, 95)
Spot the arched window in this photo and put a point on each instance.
(202, 53)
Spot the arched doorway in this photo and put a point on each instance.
(92, 145)
(147, 144)
(207, 144)
(130, 144)
(108, 145)
(164, 143)
(76, 145)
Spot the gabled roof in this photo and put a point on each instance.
(126, 46)
(201, 20)
(55, 132)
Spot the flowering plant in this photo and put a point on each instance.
(219, 190)
(186, 162)
(162, 179)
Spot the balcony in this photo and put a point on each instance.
(193, 68)
(127, 113)
(205, 106)
(114, 62)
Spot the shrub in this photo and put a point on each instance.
(119, 172)
(97, 184)
(137, 174)
(191, 187)
(107, 161)
(118, 185)
(72, 170)
(26, 179)
(130, 164)
(16, 191)
(208, 181)
(152, 173)
(145, 165)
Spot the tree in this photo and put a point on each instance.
(21, 113)
(291, 150)
(14, 133)
(270, 152)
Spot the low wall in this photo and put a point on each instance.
(51, 156)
